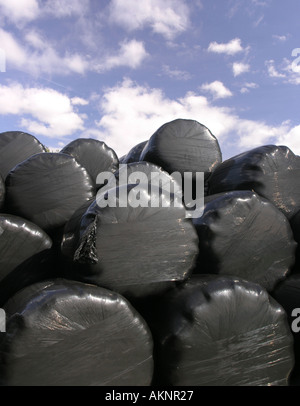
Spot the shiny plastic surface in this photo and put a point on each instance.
(64, 333)
(47, 188)
(94, 155)
(220, 331)
(243, 234)
(136, 250)
(271, 171)
(184, 146)
(15, 147)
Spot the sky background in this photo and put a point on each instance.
(117, 70)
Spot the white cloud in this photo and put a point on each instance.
(42, 111)
(292, 139)
(131, 54)
(176, 73)
(132, 113)
(66, 8)
(230, 48)
(247, 86)
(281, 38)
(238, 68)
(165, 17)
(78, 101)
(273, 73)
(19, 11)
(217, 89)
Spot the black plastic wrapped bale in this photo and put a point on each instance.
(143, 172)
(48, 188)
(15, 147)
(24, 249)
(220, 331)
(65, 333)
(134, 153)
(183, 146)
(295, 224)
(142, 245)
(243, 234)
(287, 293)
(271, 171)
(2, 193)
(94, 155)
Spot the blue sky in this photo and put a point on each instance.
(117, 70)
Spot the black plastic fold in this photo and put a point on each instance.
(139, 250)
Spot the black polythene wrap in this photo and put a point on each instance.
(185, 146)
(271, 171)
(219, 331)
(243, 234)
(295, 224)
(48, 188)
(94, 155)
(24, 246)
(139, 250)
(65, 333)
(155, 175)
(15, 147)
(134, 153)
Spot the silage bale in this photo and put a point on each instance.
(271, 171)
(185, 146)
(48, 188)
(133, 155)
(15, 147)
(65, 333)
(94, 155)
(242, 234)
(24, 251)
(219, 331)
(135, 249)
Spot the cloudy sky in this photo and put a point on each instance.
(117, 70)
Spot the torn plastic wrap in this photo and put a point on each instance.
(184, 146)
(295, 224)
(65, 333)
(243, 234)
(24, 250)
(134, 153)
(219, 331)
(48, 188)
(271, 171)
(135, 248)
(15, 147)
(94, 155)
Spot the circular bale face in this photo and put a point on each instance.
(15, 147)
(64, 333)
(220, 331)
(271, 171)
(94, 155)
(135, 250)
(48, 188)
(183, 146)
(242, 234)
